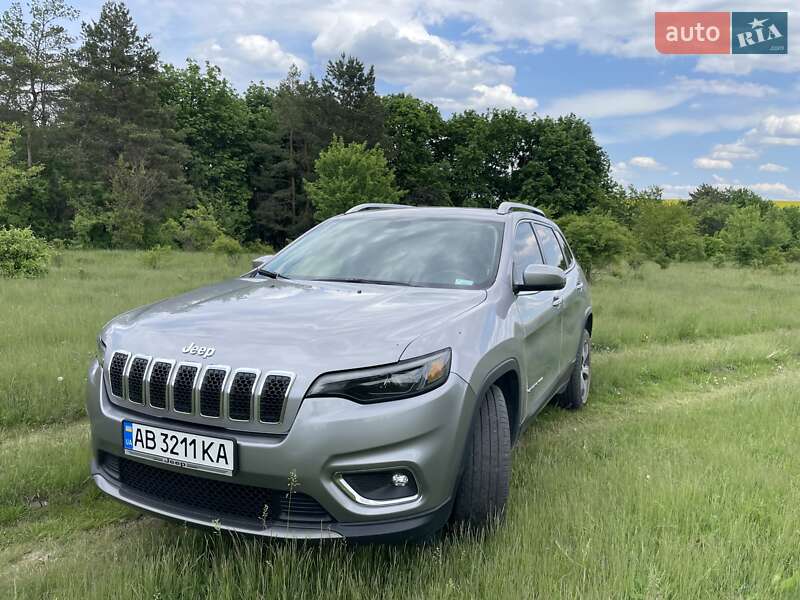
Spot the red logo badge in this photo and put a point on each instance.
(693, 32)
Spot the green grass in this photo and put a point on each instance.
(677, 481)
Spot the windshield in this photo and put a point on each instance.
(393, 249)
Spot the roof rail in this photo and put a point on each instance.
(507, 207)
(375, 206)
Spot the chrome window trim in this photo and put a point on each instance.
(148, 375)
(199, 383)
(253, 396)
(291, 377)
(171, 385)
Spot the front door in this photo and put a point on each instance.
(540, 321)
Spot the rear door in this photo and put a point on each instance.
(540, 322)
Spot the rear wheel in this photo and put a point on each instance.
(577, 392)
(483, 489)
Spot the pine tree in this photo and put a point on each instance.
(121, 133)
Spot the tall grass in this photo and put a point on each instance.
(677, 481)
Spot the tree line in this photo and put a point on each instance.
(126, 145)
(102, 145)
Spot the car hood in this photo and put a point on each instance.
(301, 327)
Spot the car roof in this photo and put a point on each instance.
(483, 214)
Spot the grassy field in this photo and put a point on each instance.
(679, 480)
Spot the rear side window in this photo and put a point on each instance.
(565, 248)
(526, 250)
(550, 247)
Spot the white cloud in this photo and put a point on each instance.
(786, 125)
(499, 96)
(772, 168)
(704, 162)
(735, 151)
(744, 64)
(616, 103)
(676, 191)
(725, 87)
(454, 75)
(646, 162)
(266, 53)
(774, 190)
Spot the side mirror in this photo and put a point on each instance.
(541, 278)
(262, 260)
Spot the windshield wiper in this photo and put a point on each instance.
(271, 274)
(360, 280)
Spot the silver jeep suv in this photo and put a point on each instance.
(368, 381)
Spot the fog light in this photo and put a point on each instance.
(379, 487)
(400, 480)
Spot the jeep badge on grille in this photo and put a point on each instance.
(202, 351)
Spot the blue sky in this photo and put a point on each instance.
(672, 121)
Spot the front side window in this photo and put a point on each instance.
(397, 250)
(551, 249)
(526, 250)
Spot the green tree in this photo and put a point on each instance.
(413, 131)
(597, 240)
(35, 62)
(485, 153)
(115, 116)
(12, 177)
(350, 174)
(353, 110)
(215, 123)
(565, 170)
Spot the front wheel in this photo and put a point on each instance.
(577, 392)
(483, 489)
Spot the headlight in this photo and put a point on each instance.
(101, 351)
(391, 382)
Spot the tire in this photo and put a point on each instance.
(483, 489)
(577, 392)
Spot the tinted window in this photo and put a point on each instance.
(526, 250)
(565, 248)
(550, 246)
(391, 248)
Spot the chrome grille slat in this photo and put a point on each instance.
(199, 393)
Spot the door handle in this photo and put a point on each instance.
(557, 301)
(579, 286)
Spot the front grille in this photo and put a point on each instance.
(188, 389)
(183, 388)
(136, 380)
(219, 498)
(272, 395)
(211, 392)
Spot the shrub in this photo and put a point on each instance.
(668, 232)
(227, 246)
(196, 229)
(596, 239)
(755, 239)
(156, 256)
(22, 254)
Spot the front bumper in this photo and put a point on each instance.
(424, 435)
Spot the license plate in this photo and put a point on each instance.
(180, 449)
